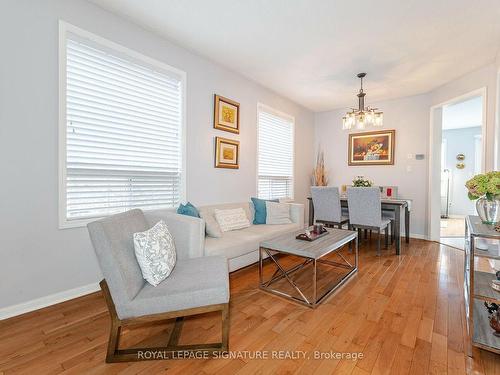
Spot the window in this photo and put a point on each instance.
(275, 154)
(121, 130)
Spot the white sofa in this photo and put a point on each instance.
(241, 246)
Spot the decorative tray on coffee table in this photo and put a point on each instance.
(313, 236)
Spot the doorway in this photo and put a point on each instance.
(456, 155)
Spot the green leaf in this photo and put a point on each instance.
(472, 197)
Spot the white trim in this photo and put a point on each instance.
(434, 151)
(52, 299)
(418, 236)
(268, 109)
(496, 144)
(64, 28)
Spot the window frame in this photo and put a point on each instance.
(64, 29)
(265, 108)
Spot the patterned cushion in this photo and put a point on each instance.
(155, 252)
(278, 213)
(231, 219)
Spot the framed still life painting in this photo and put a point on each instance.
(372, 148)
(226, 114)
(226, 153)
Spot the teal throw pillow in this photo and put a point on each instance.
(188, 209)
(260, 210)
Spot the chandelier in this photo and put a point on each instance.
(362, 117)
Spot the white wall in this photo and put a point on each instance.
(410, 118)
(38, 259)
(485, 77)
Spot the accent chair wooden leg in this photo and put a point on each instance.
(225, 328)
(114, 341)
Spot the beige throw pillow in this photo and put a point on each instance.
(278, 213)
(212, 228)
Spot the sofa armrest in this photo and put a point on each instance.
(297, 213)
(188, 231)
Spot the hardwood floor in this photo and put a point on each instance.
(404, 314)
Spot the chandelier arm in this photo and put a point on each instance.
(362, 116)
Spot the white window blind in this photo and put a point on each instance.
(123, 133)
(275, 154)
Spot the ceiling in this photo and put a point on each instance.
(464, 114)
(311, 50)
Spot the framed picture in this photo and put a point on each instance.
(372, 148)
(226, 114)
(227, 153)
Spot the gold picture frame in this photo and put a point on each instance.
(226, 114)
(372, 148)
(227, 153)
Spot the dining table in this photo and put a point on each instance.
(389, 204)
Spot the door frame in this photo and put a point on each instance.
(435, 139)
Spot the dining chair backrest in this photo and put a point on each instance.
(326, 202)
(365, 206)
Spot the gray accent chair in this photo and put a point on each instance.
(195, 286)
(365, 211)
(327, 208)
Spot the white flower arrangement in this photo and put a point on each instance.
(360, 181)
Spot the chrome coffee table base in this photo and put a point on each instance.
(282, 273)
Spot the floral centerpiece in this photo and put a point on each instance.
(360, 181)
(486, 189)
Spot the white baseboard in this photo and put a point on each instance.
(39, 303)
(418, 236)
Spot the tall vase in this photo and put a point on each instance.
(488, 210)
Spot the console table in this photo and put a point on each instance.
(477, 287)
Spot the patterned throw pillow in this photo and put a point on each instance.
(231, 219)
(155, 253)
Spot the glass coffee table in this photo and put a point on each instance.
(313, 254)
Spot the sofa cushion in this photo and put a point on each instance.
(212, 227)
(278, 213)
(193, 282)
(244, 241)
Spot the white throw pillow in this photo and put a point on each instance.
(232, 219)
(278, 213)
(212, 228)
(155, 253)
